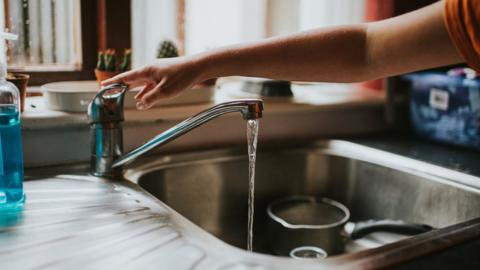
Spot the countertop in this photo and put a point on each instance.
(71, 221)
(75, 221)
(460, 159)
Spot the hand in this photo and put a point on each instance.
(163, 79)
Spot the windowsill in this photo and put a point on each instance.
(45, 68)
(38, 116)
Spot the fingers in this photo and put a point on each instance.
(147, 88)
(151, 97)
(154, 79)
(132, 78)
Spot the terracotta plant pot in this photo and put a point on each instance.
(102, 75)
(21, 82)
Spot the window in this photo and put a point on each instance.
(49, 34)
(199, 25)
(214, 23)
(320, 13)
(57, 38)
(152, 21)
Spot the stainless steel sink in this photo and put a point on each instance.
(210, 187)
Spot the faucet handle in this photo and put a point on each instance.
(107, 105)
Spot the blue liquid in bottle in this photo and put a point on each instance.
(11, 158)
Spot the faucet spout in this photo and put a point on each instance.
(249, 108)
(106, 114)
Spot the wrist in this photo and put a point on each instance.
(203, 64)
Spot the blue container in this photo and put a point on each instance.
(446, 107)
(11, 158)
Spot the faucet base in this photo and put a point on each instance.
(106, 147)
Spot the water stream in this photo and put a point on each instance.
(252, 134)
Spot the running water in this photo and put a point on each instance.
(252, 134)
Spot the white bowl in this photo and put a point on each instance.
(74, 96)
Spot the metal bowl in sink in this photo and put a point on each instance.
(302, 226)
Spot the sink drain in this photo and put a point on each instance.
(308, 252)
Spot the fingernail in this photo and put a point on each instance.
(141, 106)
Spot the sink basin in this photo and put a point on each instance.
(210, 187)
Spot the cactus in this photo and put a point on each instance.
(107, 61)
(101, 61)
(167, 49)
(110, 60)
(126, 63)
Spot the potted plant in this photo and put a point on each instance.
(107, 64)
(21, 82)
(167, 49)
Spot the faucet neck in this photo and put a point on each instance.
(248, 108)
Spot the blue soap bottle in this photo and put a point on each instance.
(11, 157)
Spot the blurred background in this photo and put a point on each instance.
(60, 39)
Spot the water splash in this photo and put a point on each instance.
(252, 135)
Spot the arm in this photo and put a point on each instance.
(410, 42)
(414, 41)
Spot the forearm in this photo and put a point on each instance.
(330, 54)
(353, 53)
(414, 41)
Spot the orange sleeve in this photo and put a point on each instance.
(462, 19)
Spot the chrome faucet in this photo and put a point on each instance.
(105, 114)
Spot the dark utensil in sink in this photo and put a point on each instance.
(309, 227)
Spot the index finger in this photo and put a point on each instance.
(132, 78)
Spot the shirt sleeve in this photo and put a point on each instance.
(462, 19)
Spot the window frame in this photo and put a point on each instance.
(89, 37)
